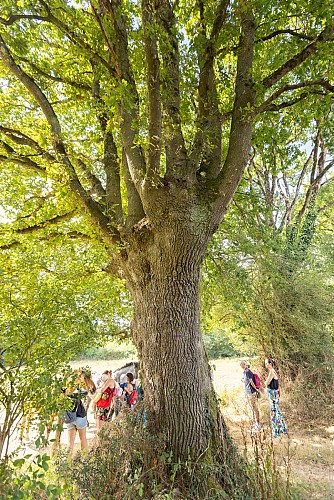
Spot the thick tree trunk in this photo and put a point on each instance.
(163, 273)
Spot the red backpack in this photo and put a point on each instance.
(132, 398)
(257, 381)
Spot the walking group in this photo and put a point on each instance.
(105, 397)
(103, 400)
(252, 390)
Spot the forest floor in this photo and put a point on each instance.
(304, 458)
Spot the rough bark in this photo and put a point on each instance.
(163, 274)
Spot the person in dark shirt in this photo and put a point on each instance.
(80, 422)
(278, 425)
(251, 393)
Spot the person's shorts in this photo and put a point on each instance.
(79, 423)
(252, 398)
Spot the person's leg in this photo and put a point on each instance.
(282, 429)
(83, 438)
(255, 408)
(273, 411)
(71, 438)
(86, 406)
(98, 423)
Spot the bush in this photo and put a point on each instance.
(311, 393)
(114, 467)
(29, 478)
(217, 345)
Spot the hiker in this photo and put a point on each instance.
(251, 393)
(90, 387)
(138, 387)
(104, 409)
(118, 397)
(129, 391)
(141, 418)
(277, 419)
(79, 423)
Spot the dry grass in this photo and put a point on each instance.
(306, 456)
(100, 365)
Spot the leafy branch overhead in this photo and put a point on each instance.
(127, 104)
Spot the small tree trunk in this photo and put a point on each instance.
(2, 439)
(5, 434)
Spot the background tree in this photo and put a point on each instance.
(282, 300)
(139, 117)
(52, 305)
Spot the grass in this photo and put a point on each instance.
(100, 365)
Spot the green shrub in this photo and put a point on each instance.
(217, 345)
(29, 478)
(311, 393)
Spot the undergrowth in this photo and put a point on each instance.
(127, 462)
(311, 394)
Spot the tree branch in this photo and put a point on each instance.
(30, 84)
(129, 108)
(288, 66)
(24, 162)
(110, 46)
(287, 104)
(209, 121)
(113, 187)
(72, 83)
(325, 207)
(302, 36)
(76, 40)
(241, 125)
(290, 207)
(322, 82)
(315, 180)
(69, 234)
(135, 206)
(41, 202)
(111, 163)
(46, 223)
(153, 85)
(96, 185)
(176, 154)
(17, 17)
(22, 139)
(93, 207)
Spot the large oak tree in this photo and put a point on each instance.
(131, 122)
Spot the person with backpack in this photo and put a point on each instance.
(130, 393)
(76, 419)
(103, 399)
(251, 393)
(278, 425)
